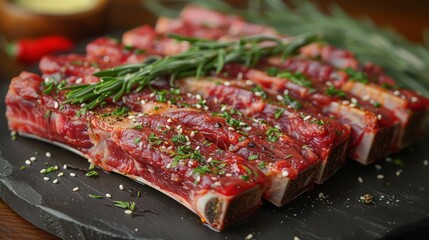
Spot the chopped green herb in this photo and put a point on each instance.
(47, 114)
(253, 157)
(278, 113)
(179, 139)
(272, 71)
(138, 127)
(292, 102)
(241, 138)
(92, 174)
(244, 177)
(334, 92)
(398, 162)
(137, 140)
(376, 104)
(297, 78)
(119, 111)
(273, 134)
(174, 162)
(51, 169)
(125, 205)
(139, 193)
(153, 139)
(288, 156)
(259, 91)
(95, 196)
(356, 76)
(202, 170)
(156, 108)
(21, 168)
(261, 165)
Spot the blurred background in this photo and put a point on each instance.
(89, 18)
(80, 20)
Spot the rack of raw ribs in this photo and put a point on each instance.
(219, 144)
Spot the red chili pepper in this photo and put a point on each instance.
(30, 50)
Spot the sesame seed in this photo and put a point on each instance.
(142, 101)
(33, 159)
(13, 133)
(249, 82)
(43, 171)
(379, 117)
(258, 94)
(280, 97)
(227, 83)
(46, 178)
(48, 154)
(307, 118)
(56, 167)
(187, 138)
(198, 178)
(353, 105)
(72, 174)
(169, 120)
(75, 189)
(129, 212)
(209, 159)
(365, 97)
(396, 93)
(136, 229)
(28, 162)
(55, 181)
(79, 81)
(206, 108)
(231, 128)
(198, 97)
(108, 195)
(189, 95)
(65, 166)
(188, 143)
(83, 105)
(60, 174)
(345, 102)
(286, 92)
(152, 95)
(398, 172)
(354, 100)
(198, 106)
(131, 117)
(223, 108)
(56, 104)
(388, 159)
(248, 237)
(228, 175)
(377, 166)
(168, 127)
(285, 173)
(425, 163)
(414, 99)
(321, 195)
(121, 187)
(168, 165)
(248, 128)
(380, 176)
(360, 179)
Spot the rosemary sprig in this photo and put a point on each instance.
(405, 61)
(200, 59)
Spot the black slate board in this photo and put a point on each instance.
(400, 206)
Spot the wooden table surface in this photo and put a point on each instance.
(407, 17)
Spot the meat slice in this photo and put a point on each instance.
(409, 107)
(328, 140)
(219, 186)
(291, 169)
(31, 110)
(374, 131)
